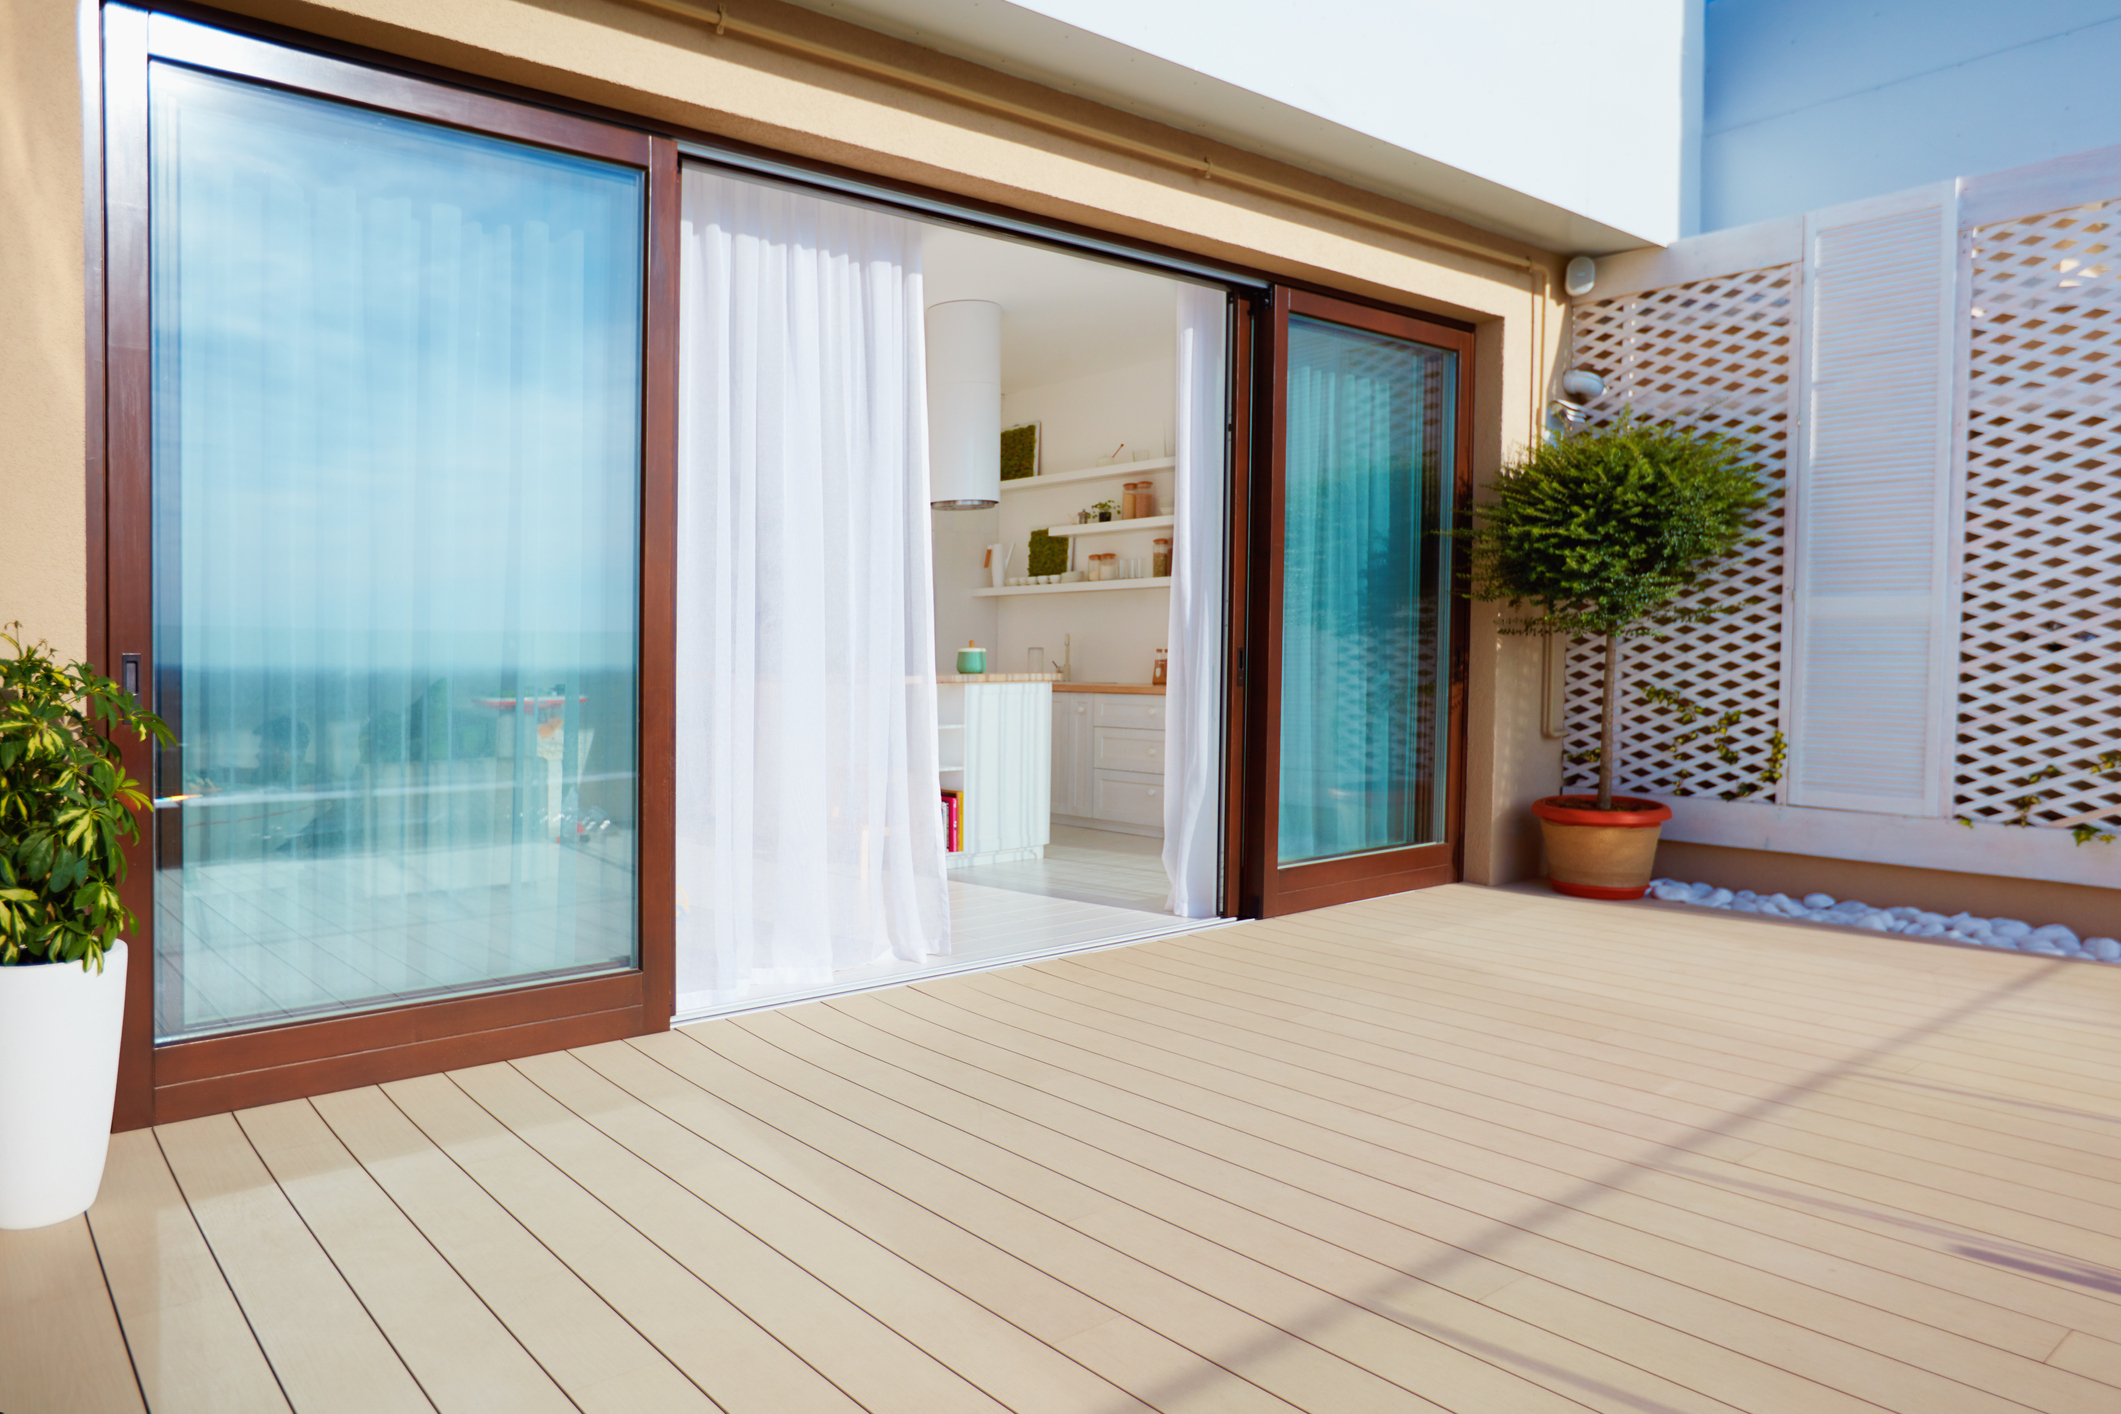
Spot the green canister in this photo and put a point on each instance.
(971, 658)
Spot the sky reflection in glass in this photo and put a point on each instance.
(397, 374)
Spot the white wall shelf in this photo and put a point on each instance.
(1118, 471)
(1163, 582)
(1107, 527)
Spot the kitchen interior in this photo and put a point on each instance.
(1052, 397)
(1052, 573)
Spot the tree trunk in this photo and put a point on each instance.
(1609, 721)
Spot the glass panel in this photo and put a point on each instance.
(1365, 592)
(397, 446)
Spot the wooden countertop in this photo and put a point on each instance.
(1053, 678)
(1143, 688)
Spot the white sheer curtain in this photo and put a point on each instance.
(807, 830)
(1193, 703)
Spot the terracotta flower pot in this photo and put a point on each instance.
(1594, 853)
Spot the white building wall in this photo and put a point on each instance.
(1811, 103)
(1495, 90)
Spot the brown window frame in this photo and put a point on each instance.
(181, 1079)
(1270, 888)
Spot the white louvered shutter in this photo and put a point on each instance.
(1872, 643)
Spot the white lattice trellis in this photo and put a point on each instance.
(1713, 353)
(2040, 636)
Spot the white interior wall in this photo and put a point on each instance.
(961, 541)
(1115, 633)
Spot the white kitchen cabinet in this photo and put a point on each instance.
(1071, 748)
(1108, 761)
(1127, 749)
(1128, 798)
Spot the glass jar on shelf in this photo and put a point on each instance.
(1160, 562)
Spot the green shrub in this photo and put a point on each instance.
(66, 807)
(1604, 533)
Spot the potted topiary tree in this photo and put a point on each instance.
(66, 813)
(1603, 533)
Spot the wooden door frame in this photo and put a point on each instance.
(157, 1084)
(1245, 319)
(1267, 887)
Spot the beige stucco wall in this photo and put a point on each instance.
(43, 544)
(639, 60)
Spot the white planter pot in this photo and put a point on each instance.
(58, 1080)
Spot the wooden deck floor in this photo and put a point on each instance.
(1458, 1150)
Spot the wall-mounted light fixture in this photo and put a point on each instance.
(1580, 276)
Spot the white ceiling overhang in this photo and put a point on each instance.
(1065, 56)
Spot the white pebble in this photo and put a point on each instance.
(2009, 934)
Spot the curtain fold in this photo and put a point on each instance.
(807, 830)
(1193, 702)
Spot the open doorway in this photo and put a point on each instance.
(952, 586)
(1056, 791)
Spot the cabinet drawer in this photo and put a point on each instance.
(1128, 796)
(1129, 749)
(1114, 710)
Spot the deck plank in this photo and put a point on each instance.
(591, 1351)
(1465, 1150)
(1599, 1214)
(193, 1348)
(60, 1345)
(464, 1358)
(1392, 1189)
(326, 1351)
(933, 1322)
(189, 1340)
(1475, 1104)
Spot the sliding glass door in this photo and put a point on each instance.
(1363, 631)
(397, 459)
(390, 568)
